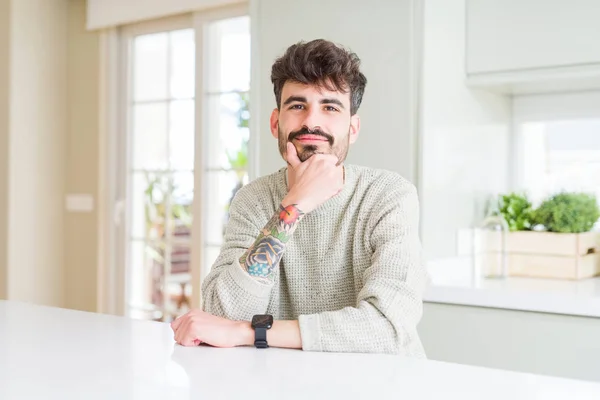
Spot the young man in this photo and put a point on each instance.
(327, 250)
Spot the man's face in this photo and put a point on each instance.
(315, 120)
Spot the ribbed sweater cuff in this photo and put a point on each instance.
(310, 332)
(247, 283)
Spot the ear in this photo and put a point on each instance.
(274, 122)
(354, 127)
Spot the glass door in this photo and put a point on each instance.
(226, 130)
(159, 178)
(169, 234)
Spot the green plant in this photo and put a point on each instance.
(517, 211)
(568, 213)
(243, 114)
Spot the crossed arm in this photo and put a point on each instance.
(388, 307)
(260, 261)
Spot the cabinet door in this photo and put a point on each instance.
(510, 35)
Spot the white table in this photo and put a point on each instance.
(50, 353)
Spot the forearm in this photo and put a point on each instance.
(284, 334)
(262, 259)
(362, 329)
(239, 287)
(231, 293)
(384, 319)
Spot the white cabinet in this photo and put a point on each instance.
(538, 343)
(528, 40)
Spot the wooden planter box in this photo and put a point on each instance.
(545, 254)
(554, 255)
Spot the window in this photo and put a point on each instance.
(166, 156)
(160, 113)
(226, 97)
(557, 144)
(560, 156)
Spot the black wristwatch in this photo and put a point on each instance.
(260, 324)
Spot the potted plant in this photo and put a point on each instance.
(556, 239)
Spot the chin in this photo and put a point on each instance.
(306, 152)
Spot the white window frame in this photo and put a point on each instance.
(113, 125)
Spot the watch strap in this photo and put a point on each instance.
(260, 338)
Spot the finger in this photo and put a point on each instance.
(326, 158)
(177, 333)
(291, 155)
(189, 336)
(181, 330)
(175, 323)
(334, 160)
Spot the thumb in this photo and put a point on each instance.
(291, 155)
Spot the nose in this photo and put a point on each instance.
(312, 119)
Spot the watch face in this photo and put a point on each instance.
(262, 321)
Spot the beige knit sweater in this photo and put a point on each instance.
(352, 273)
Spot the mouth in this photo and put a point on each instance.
(311, 139)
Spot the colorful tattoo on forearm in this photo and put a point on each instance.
(262, 258)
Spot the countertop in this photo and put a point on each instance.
(53, 353)
(452, 282)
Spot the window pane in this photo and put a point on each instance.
(180, 259)
(229, 46)
(228, 131)
(145, 277)
(181, 135)
(150, 67)
(139, 184)
(182, 63)
(561, 156)
(179, 282)
(149, 195)
(220, 189)
(150, 136)
(182, 196)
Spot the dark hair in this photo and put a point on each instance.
(322, 63)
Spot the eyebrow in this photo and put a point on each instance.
(332, 101)
(302, 99)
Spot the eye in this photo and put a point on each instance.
(297, 107)
(331, 108)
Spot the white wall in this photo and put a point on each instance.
(548, 344)
(465, 133)
(37, 127)
(381, 34)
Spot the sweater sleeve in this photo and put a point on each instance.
(389, 305)
(229, 291)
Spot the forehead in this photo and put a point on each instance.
(312, 92)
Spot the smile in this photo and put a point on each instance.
(311, 138)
